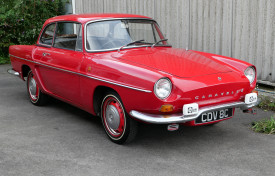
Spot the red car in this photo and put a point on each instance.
(120, 67)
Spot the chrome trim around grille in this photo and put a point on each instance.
(180, 118)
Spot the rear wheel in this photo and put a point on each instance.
(34, 93)
(119, 127)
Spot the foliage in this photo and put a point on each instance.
(4, 60)
(22, 20)
(264, 126)
(267, 103)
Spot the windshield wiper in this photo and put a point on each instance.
(162, 40)
(131, 43)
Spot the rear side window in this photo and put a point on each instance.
(47, 35)
(68, 36)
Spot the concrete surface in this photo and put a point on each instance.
(59, 139)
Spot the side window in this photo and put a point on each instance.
(66, 36)
(78, 46)
(47, 35)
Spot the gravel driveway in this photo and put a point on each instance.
(59, 139)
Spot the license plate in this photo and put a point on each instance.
(214, 116)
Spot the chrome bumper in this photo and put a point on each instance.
(12, 72)
(180, 118)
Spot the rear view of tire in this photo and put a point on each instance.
(119, 127)
(36, 96)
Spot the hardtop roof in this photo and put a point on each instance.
(83, 18)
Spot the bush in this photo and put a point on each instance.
(4, 60)
(22, 20)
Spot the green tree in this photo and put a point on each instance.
(22, 20)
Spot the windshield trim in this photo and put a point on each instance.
(115, 49)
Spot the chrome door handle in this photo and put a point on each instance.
(46, 54)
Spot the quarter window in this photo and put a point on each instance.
(47, 35)
(68, 36)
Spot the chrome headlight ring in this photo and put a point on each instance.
(163, 88)
(250, 73)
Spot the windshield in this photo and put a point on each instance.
(113, 34)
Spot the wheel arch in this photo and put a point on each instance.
(98, 95)
(25, 70)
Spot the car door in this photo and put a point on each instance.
(60, 63)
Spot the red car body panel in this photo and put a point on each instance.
(73, 76)
(178, 62)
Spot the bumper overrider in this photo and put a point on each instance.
(13, 72)
(181, 118)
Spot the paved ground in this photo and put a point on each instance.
(59, 139)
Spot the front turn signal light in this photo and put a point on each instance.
(166, 108)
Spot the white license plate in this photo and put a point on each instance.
(214, 116)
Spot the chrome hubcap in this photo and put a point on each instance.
(112, 117)
(33, 88)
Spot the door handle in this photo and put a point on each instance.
(46, 54)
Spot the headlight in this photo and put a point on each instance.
(250, 74)
(163, 88)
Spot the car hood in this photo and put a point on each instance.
(178, 62)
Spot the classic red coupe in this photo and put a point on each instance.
(121, 68)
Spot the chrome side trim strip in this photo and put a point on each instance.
(180, 118)
(91, 77)
(22, 58)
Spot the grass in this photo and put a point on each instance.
(267, 103)
(4, 60)
(266, 126)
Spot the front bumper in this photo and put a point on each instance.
(180, 118)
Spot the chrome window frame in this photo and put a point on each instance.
(39, 41)
(52, 45)
(114, 49)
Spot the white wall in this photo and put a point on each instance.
(244, 29)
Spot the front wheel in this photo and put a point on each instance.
(34, 93)
(119, 127)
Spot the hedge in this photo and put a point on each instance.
(21, 21)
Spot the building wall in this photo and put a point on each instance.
(243, 29)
